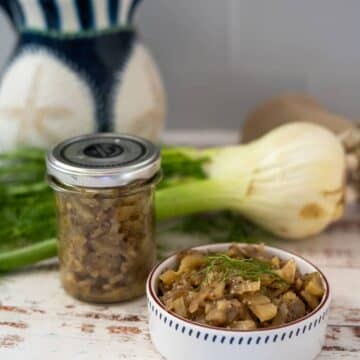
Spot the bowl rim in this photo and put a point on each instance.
(152, 293)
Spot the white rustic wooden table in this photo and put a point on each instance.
(39, 321)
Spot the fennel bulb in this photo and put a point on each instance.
(290, 181)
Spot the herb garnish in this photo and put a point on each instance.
(249, 269)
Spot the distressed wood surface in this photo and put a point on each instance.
(39, 321)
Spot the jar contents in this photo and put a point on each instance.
(106, 243)
(104, 186)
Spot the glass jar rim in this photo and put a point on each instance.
(120, 190)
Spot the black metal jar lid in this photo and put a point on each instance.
(103, 160)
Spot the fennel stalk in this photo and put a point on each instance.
(27, 206)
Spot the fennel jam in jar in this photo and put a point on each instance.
(104, 185)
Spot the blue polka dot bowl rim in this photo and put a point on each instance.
(177, 338)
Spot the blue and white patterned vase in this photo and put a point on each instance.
(78, 67)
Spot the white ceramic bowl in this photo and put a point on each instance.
(179, 339)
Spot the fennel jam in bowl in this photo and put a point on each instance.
(237, 301)
(104, 186)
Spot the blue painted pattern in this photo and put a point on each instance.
(258, 340)
(85, 14)
(52, 13)
(113, 11)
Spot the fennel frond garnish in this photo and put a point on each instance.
(248, 269)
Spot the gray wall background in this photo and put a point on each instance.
(220, 58)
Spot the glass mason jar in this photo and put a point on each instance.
(104, 187)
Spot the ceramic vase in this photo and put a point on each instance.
(78, 67)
